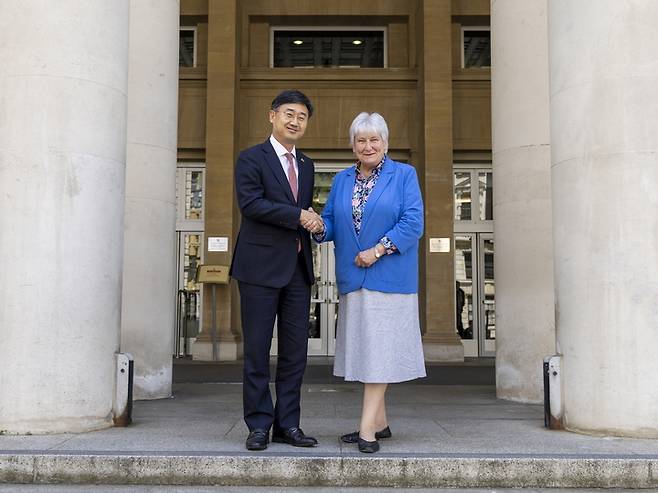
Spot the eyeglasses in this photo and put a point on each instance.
(289, 115)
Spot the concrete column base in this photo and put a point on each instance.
(155, 385)
(75, 424)
(443, 352)
(227, 350)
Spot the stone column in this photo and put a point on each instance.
(440, 340)
(604, 142)
(220, 212)
(525, 321)
(63, 87)
(149, 305)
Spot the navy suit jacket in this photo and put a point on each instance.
(266, 248)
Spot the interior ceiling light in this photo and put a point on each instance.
(357, 42)
(298, 42)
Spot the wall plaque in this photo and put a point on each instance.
(218, 243)
(439, 245)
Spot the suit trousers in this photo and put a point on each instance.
(259, 306)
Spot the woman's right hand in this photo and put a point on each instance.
(366, 258)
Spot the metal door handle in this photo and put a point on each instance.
(333, 296)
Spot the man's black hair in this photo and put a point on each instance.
(292, 96)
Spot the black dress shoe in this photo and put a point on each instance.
(293, 436)
(257, 439)
(354, 436)
(368, 447)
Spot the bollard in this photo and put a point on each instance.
(553, 411)
(122, 407)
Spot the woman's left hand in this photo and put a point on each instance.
(366, 258)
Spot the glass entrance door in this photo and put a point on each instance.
(190, 191)
(324, 293)
(475, 293)
(324, 303)
(188, 296)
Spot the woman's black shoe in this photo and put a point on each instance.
(368, 447)
(354, 436)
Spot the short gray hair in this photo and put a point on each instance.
(369, 123)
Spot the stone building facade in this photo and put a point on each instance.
(532, 125)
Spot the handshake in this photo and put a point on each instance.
(311, 221)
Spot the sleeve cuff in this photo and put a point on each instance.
(319, 237)
(388, 244)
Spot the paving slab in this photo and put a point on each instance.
(252, 489)
(443, 436)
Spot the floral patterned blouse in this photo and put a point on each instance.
(363, 185)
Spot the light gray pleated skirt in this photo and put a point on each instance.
(378, 338)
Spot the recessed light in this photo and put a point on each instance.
(298, 42)
(357, 42)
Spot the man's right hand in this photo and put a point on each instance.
(311, 221)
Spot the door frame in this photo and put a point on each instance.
(327, 297)
(185, 227)
(486, 347)
(479, 345)
(327, 290)
(180, 276)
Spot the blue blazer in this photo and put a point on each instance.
(394, 209)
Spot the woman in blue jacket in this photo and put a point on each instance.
(374, 216)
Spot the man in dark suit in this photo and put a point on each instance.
(273, 266)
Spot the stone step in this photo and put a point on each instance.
(290, 470)
(474, 371)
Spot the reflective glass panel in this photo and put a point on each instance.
(320, 194)
(485, 190)
(188, 297)
(186, 48)
(321, 191)
(462, 196)
(489, 302)
(328, 48)
(189, 315)
(192, 258)
(314, 331)
(477, 48)
(314, 320)
(464, 285)
(193, 194)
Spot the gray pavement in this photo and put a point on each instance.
(442, 436)
(249, 489)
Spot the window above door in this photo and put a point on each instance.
(187, 46)
(190, 196)
(476, 47)
(473, 199)
(317, 47)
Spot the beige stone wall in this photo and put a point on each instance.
(432, 109)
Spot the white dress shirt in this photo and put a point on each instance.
(281, 152)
